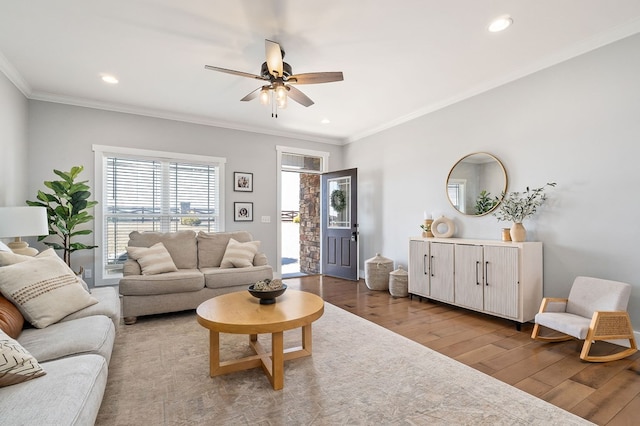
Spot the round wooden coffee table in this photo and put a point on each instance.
(241, 313)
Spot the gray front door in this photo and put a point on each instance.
(339, 195)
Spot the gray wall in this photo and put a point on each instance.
(13, 145)
(61, 136)
(577, 123)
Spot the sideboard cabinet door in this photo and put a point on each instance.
(419, 268)
(441, 275)
(502, 289)
(469, 278)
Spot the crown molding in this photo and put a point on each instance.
(14, 76)
(167, 115)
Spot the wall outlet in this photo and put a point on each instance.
(266, 219)
(87, 273)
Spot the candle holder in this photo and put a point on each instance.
(426, 228)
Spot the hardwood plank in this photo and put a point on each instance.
(567, 394)
(628, 416)
(603, 404)
(597, 374)
(479, 354)
(560, 371)
(478, 341)
(524, 368)
(533, 386)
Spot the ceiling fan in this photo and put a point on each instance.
(280, 78)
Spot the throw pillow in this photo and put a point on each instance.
(44, 290)
(10, 258)
(239, 255)
(11, 320)
(13, 258)
(17, 365)
(4, 247)
(153, 260)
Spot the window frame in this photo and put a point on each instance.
(101, 152)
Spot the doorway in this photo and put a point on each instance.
(299, 176)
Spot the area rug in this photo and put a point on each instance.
(359, 374)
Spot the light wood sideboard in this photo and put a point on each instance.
(499, 278)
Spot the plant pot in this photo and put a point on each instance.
(518, 233)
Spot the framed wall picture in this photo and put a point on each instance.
(242, 182)
(243, 212)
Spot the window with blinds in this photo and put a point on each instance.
(155, 195)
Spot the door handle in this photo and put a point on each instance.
(431, 266)
(486, 273)
(477, 275)
(354, 236)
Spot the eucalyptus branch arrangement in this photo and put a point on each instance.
(517, 206)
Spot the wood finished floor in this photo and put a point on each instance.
(603, 393)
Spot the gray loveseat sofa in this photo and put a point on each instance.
(199, 276)
(75, 354)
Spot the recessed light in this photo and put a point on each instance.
(325, 121)
(500, 24)
(109, 79)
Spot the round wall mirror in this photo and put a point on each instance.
(474, 182)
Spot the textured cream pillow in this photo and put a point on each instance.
(239, 255)
(17, 365)
(44, 290)
(153, 260)
(13, 258)
(10, 258)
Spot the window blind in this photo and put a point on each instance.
(156, 195)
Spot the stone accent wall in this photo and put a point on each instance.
(309, 223)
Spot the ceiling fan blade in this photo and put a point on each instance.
(251, 96)
(315, 77)
(240, 73)
(299, 97)
(274, 57)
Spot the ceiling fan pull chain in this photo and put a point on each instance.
(274, 107)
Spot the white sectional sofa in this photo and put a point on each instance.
(75, 354)
(201, 273)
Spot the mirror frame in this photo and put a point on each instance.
(504, 189)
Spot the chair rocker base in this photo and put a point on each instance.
(535, 334)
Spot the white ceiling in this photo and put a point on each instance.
(400, 59)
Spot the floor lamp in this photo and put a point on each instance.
(17, 222)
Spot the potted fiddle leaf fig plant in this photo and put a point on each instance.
(67, 208)
(517, 206)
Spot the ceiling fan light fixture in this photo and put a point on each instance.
(501, 23)
(281, 92)
(282, 102)
(265, 96)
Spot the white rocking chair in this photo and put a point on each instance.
(596, 309)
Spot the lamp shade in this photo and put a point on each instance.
(23, 221)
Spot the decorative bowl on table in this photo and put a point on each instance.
(267, 290)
